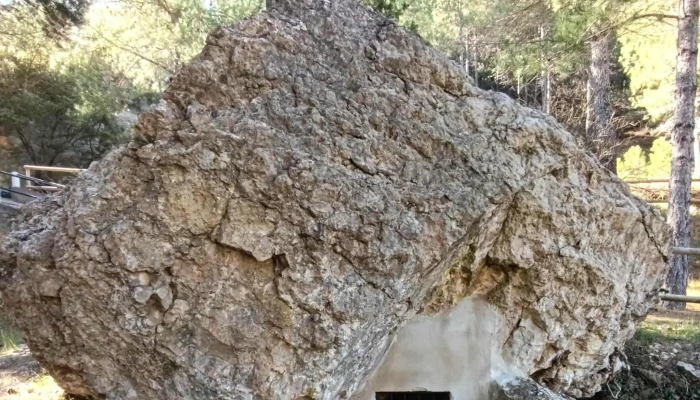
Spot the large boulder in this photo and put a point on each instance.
(313, 180)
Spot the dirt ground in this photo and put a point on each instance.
(664, 355)
(663, 360)
(21, 378)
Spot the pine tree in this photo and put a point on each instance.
(600, 103)
(682, 141)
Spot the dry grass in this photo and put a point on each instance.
(670, 326)
(674, 325)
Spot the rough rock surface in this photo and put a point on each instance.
(521, 389)
(311, 181)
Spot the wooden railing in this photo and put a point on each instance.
(654, 181)
(676, 297)
(695, 202)
(28, 172)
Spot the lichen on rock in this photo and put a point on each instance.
(311, 181)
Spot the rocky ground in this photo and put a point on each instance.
(663, 359)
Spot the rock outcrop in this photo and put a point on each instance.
(310, 182)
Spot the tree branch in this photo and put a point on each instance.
(134, 52)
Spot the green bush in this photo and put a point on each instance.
(10, 337)
(634, 164)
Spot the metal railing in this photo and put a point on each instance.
(7, 200)
(19, 193)
(16, 177)
(34, 187)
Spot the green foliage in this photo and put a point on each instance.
(447, 24)
(635, 164)
(10, 337)
(60, 14)
(45, 97)
(147, 42)
(61, 98)
(55, 17)
(668, 330)
(391, 8)
(540, 36)
(119, 54)
(22, 33)
(648, 53)
(59, 116)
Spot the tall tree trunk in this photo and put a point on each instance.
(467, 62)
(544, 72)
(605, 135)
(546, 90)
(682, 141)
(696, 152)
(590, 132)
(475, 62)
(463, 42)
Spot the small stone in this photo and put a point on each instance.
(142, 294)
(180, 308)
(50, 287)
(165, 295)
(521, 389)
(655, 377)
(98, 253)
(139, 279)
(689, 368)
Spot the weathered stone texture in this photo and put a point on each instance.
(312, 181)
(510, 388)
